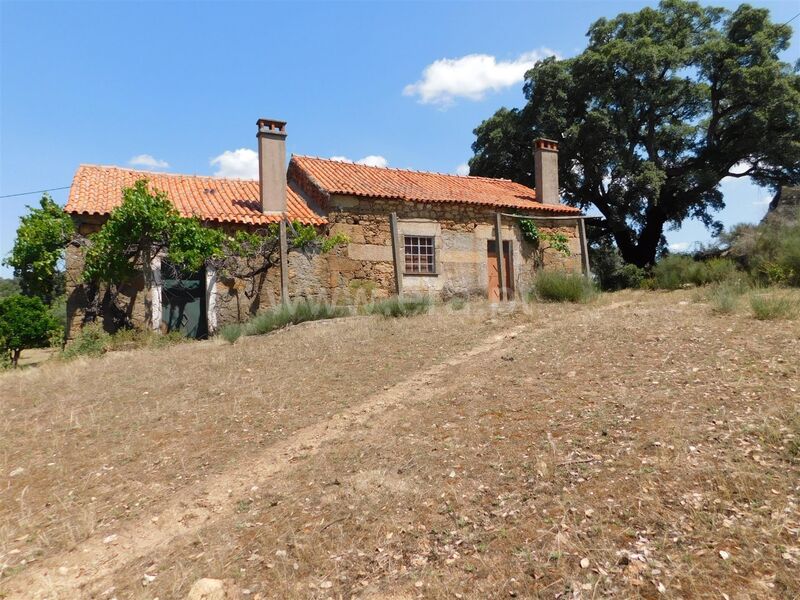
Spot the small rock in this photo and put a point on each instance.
(17, 471)
(452, 474)
(326, 585)
(110, 538)
(724, 555)
(147, 579)
(214, 589)
(584, 563)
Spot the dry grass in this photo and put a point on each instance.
(635, 433)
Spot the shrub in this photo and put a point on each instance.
(287, 314)
(767, 307)
(678, 270)
(630, 276)
(770, 251)
(724, 299)
(556, 286)
(718, 270)
(91, 341)
(232, 332)
(675, 271)
(25, 322)
(457, 303)
(399, 306)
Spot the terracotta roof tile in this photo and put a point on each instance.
(96, 190)
(335, 177)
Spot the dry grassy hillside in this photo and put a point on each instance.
(638, 446)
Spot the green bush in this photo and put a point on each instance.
(398, 306)
(457, 303)
(767, 307)
(287, 314)
(724, 298)
(769, 251)
(25, 322)
(556, 286)
(677, 270)
(232, 332)
(91, 341)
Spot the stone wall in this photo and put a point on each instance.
(363, 269)
(461, 233)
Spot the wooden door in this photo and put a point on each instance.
(494, 274)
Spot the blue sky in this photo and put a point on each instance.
(174, 86)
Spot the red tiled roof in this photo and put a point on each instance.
(96, 190)
(333, 177)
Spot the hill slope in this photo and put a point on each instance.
(636, 447)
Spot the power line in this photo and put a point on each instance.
(792, 19)
(66, 187)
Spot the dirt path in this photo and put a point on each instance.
(84, 571)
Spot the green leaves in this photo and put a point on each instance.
(39, 249)
(25, 322)
(653, 114)
(557, 241)
(145, 224)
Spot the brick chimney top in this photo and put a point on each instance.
(271, 126)
(543, 144)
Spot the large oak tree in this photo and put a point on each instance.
(659, 108)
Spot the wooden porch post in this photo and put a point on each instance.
(501, 263)
(284, 252)
(396, 256)
(587, 272)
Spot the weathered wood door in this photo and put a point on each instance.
(494, 274)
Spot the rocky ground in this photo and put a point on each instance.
(639, 446)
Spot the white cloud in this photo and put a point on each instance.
(679, 246)
(373, 160)
(149, 161)
(471, 76)
(462, 169)
(237, 164)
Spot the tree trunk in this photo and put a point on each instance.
(15, 357)
(642, 252)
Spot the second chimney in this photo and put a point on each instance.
(272, 165)
(545, 166)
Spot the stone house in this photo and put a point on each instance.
(410, 232)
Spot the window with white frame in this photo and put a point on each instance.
(419, 254)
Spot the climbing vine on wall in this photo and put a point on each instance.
(543, 240)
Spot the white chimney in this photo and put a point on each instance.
(545, 166)
(272, 165)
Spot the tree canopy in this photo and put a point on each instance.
(38, 250)
(661, 106)
(25, 322)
